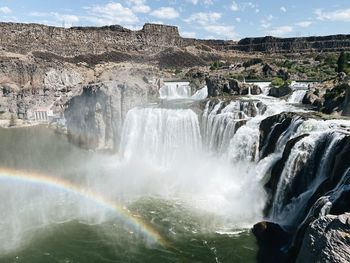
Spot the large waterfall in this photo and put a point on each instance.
(160, 133)
(192, 175)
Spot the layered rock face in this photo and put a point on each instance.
(95, 117)
(25, 38)
(293, 45)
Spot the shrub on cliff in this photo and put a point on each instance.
(277, 82)
(252, 62)
(343, 62)
(216, 65)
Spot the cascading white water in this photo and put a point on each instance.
(219, 128)
(175, 90)
(296, 161)
(201, 94)
(160, 133)
(264, 86)
(244, 146)
(297, 96)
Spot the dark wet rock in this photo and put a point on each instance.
(271, 238)
(279, 92)
(271, 129)
(268, 71)
(219, 86)
(346, 106)
(281, 73)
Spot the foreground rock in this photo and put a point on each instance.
(327, 239)
(271, 238)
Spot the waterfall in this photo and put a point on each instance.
(160, 134)
(175, 90)
(297, 96)
(201, 94)
(264, 86)
(221, 122)
(305, 170)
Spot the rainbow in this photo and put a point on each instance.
(61, 184)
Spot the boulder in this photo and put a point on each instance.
(282, 91)
(327, 239)
(271, 238)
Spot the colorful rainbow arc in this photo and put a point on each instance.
(59, 183)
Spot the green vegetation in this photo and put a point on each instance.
(336, 91)
(252, 62)
(277, 82)
(178, 71)
(216, 65)
(343, 63)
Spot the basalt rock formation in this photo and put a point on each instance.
(271, 44)
(219, 86)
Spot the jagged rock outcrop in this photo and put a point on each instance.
(219, 86)
(330, 97)
(327, 239)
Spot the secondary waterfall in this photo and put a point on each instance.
(297, 96)
(175, 90)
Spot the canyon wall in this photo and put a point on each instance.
(75, 41)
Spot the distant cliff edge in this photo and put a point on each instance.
(152, 38)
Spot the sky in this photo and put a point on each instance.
(205, 19)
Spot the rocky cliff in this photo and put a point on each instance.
(293, 45)
(77, 41)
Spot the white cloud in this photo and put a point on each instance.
(238, 19)
(165, 13)
(283, 9)
(227, 32)
(111, 13)
(304, 24)
(67, 20)
(194, 2)
(57, 19)
(281, 31)
(139, 6)
(188, 34)
(337, 15)
(266, 22)
(208, 2)
(203, 19)
(234, 6)
(5, 10)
